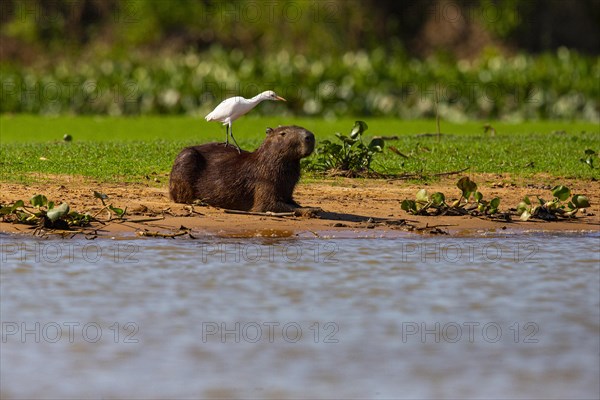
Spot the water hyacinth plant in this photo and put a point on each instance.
(470, 202)
(350, 156)
(553, 209)
(361, 82)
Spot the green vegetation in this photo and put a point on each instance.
(314, 27)
(143, 149)
(590, 155)
(350, 157)
(43, 214)
(462, 60)
(470, 202)
(555, 208)
(119, 212)
(360, 83)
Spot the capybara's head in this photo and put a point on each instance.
(289, 142)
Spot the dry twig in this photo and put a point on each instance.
(263, 214)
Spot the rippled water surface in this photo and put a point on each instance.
(415, 317)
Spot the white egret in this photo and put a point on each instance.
(231, 109)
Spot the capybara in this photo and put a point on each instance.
(262, 180)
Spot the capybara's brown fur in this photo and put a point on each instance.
(262, 180)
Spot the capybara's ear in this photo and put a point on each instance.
(269, 130)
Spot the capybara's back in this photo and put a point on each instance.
(186, 169)
(224, 177)
(207, 173)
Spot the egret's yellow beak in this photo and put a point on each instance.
(280, 98)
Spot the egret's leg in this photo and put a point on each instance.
(226, 135)
(234, 141)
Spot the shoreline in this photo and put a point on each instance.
(353, 208)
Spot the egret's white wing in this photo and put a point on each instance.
(226, 109)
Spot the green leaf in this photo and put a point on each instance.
(18, 203)
(495, 203)
(478, 196)
(6, 210)
(119, 211)
(522, 207)
(100, 196)
(467, 186)
(38, 200)
(377, 144)
(50, 205)
(561, 192)
(422, 196)
(526, 200)
(580, 201)
(438, 198)
(334, 148)
(409, 206)
(525, 216)
(358, 129)
(589, 161)
(346, 139)
(463, 183)
(58, 212)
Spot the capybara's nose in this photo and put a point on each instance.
(309, 137)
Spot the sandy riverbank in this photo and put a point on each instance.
(352, 208)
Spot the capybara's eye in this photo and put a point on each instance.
(283, 133)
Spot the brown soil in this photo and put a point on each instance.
(352, 208)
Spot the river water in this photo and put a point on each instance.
(514, 316)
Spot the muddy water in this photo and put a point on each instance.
(413, 317)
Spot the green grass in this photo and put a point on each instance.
(112, 149)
